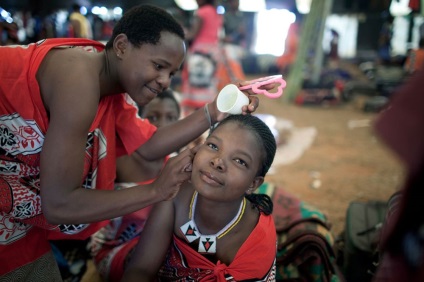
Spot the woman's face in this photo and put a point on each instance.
(146, 71)
(226, 165)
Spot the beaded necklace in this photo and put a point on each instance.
(207, 243)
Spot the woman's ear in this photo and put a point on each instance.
(120, 45)
(255, 184)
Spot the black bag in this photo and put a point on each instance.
(358, 244)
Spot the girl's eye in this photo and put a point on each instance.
(240, 161)
(172, 118)
(152, 118)
(158, 67)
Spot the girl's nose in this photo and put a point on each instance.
(217, 163)
(162, 121)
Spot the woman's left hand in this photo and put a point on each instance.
(216, 115)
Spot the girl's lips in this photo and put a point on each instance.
(210, 179)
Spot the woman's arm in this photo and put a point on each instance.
(171, 138)
(153, 245)
(72, 108)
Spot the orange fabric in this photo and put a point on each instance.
(290, 52)
(229, 72)
(415, 61)
(254, 260)
(24, 123)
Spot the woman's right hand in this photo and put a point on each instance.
(176, 171)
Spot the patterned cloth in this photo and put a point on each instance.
(305, 243)
(111, 245)
(23, 124)
(41, 270)
(254, 261)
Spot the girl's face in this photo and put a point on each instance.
(226, 165)
(147, 70)
(161, 112)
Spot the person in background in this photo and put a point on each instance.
(199, 80)
(287, 59)
(235, 30)
(67, 113)
(161, 111)
(233, 47)
(111, 246)
(333, 55)
(402, 241)
(80, 26)
(385, 40)
(216, 228)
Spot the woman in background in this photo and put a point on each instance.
(199, 80)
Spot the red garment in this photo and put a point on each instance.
(415, 61)
(414, 5)
(254, 260)
(212, 23)
(23, 125)
(110, 245)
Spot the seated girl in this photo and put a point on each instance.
(216, 228)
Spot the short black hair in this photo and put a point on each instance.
(144, 23)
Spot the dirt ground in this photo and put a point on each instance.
(352, 164)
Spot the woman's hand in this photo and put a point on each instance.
(176, 171)
(217, 116)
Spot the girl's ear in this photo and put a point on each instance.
(255, 184)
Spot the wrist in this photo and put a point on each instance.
(208, 116)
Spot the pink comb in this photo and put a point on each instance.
(257, 83)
